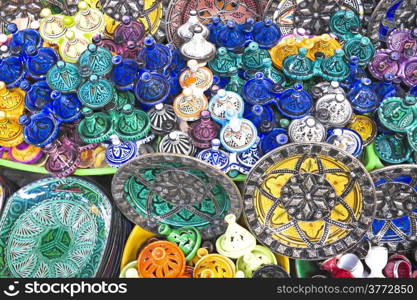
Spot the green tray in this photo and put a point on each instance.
(80, 172)
(41, 170)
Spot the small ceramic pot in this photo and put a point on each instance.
(398, 266)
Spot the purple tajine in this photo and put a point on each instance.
(203, 131)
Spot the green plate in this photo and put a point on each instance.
(176, 190)
(54, 228)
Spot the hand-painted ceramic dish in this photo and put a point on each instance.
(55, 228)
(309, 201)
(382, 21)
(313, 15)
(148, 12)
(395, 224)
(179, 12)
(156, 189)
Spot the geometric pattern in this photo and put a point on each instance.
(309, 201)
(176, 190)
(179, 10)
(382, 21)
(52, 239)
(284, 13)
(395, 224)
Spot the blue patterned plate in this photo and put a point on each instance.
(395, 225)
(382, 21)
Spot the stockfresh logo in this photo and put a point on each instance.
(71, 289)
(12, 290)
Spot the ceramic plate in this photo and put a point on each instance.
(395, 224)
(282, 11)
(54, 228)
(176, 190)
(309, 201)
(383, 20)
(179, 11)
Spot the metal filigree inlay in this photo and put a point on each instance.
(395, 200)
(21, 12)
(308, 197)
(176, 190)
(313, 15)
(395, 224)
(179, 12)
(149, 12)
(309, 201)
(406, 15)
(134, 9)
(179, 188)
(11, 10)
(382, 21)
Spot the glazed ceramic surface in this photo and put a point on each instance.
(312, 15)
(55, 228)
(179, 12)
(309, 201)
(155, 189)
(395, 224)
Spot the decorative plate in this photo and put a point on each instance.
(54, 228)
(395, 224)
(176, 190)
(25, 11)
(179, 11)
(365, 127)
(149, 12)
(309, 201)
(176, 142)
(316, 12)
(383, 20)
